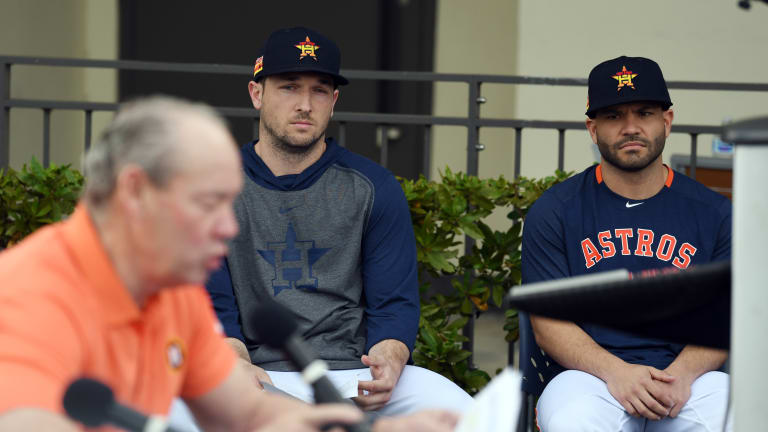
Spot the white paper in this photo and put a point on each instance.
(497, 407)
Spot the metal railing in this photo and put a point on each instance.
(472, 121)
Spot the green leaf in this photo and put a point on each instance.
(471, 229)
(457, 324)
(459, 356)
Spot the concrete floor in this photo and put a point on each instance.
(491, 349)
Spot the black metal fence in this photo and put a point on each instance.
(472, 121)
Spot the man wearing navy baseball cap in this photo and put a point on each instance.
(633, 212)
(328, 234)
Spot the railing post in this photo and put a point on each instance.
(694, 148)
(46, 137)
(384, 150)
(473, 148)
(561, 149)
(5, 115)
(518, 150)
(427, 153)
(473, 131)
(88, 127)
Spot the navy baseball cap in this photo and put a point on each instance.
(298, 49)
(624, 80)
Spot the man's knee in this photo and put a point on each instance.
(583, 414)
(577, 401)
(420, 388)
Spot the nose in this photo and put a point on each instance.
(304, 103)
(630, 125)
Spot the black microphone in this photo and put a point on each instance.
(277, 328)
(93, 404)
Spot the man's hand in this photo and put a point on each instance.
(423, 421)
(258, 374)
(691, 363)
(678, 392)
(639, 390)
(386, 360)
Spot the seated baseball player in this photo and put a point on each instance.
(326, 233)
(631, 211)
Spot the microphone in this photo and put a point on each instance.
(93, 404)
(277, 328)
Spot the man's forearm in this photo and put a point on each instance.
(573, 348)
(694, 361)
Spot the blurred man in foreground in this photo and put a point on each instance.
(114, 292)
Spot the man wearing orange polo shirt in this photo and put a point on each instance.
(114, 292)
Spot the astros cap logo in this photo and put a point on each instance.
(307, 48)
(624, 77)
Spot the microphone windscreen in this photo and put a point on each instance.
(274, 323)
(88, 401)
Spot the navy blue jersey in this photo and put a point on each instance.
(580, 226)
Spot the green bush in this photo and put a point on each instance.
(443, 212)
(35, 196)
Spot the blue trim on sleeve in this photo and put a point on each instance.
(390, 270)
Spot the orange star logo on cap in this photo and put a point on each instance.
(624, 77)
(307, 48)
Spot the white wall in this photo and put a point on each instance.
(692, 40)
(62, 28)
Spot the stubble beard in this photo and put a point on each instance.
(610, 152)
(291, 146)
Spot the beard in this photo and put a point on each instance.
(291, 144)
(632, 162)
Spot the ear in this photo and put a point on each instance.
(668, 115)
(256, 91)
(335, 98)
(130, 186)
(592, 128)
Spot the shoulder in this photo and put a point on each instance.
(560, 195)
(370, 170)
(698, 195)
(40, 265)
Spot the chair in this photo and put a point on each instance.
(537, 369)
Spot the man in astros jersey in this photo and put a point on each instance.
(631, 211)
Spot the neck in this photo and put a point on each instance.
(283, 163)
(116, 239)
(637, 185)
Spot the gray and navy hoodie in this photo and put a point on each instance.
(335, 245)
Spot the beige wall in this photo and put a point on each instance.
(63, 28)
(696, 40)
(476, 37)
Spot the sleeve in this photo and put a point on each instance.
(210, 358)
(219, 287)
(722, 250)
(543, 250)
(40, 352)
(390, 272)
